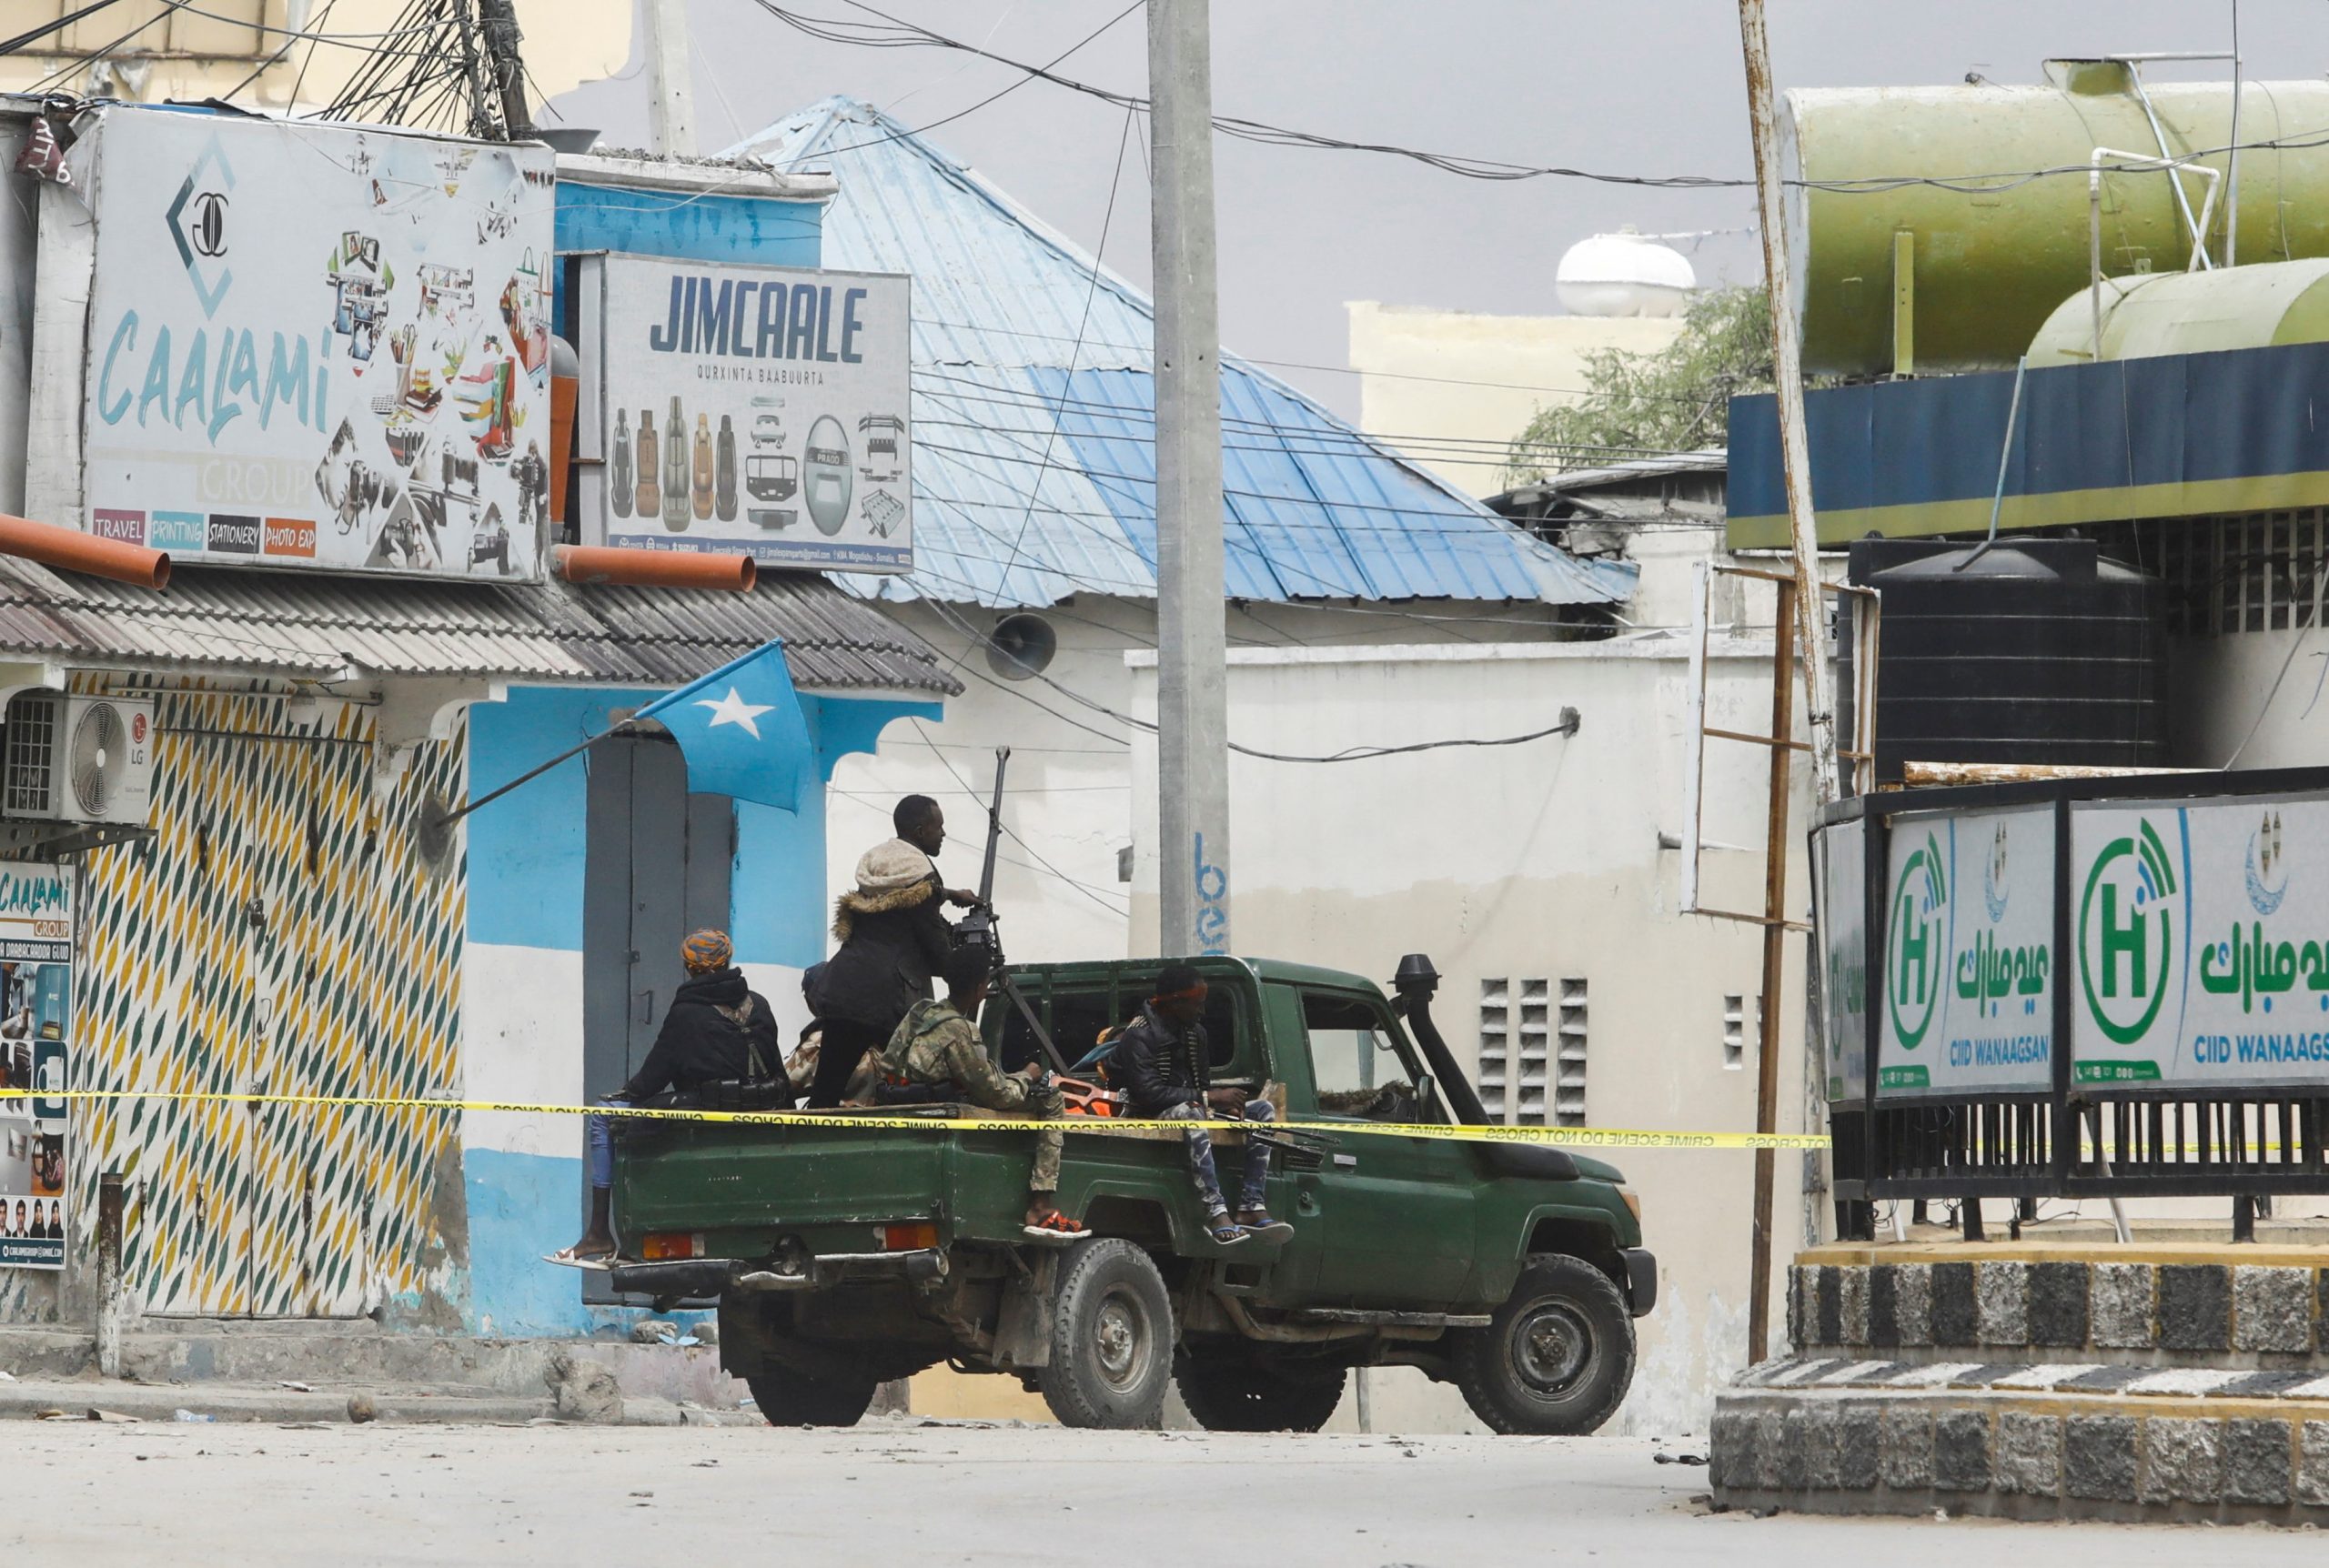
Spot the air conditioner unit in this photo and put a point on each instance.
(77, 759)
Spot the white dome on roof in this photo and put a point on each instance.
(1624, 274)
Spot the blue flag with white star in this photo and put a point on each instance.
(742, 729)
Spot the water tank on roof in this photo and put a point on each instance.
(1624, 274)
(2156, 312)
(2038, 651)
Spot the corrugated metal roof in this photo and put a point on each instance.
(312, 624)
(1034, 406)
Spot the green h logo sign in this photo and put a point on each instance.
(1914, 960)
(2126, 934)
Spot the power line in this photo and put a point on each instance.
(919, 729)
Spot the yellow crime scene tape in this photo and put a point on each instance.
(1567, 1137)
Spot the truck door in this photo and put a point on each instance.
(1396, 1211)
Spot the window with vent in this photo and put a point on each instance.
(1517, 1050)
(1496, 1046)
(1568, 1084)
(1734, 1031)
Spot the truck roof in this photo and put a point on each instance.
(1260, 969)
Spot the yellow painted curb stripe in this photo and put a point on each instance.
(1576, 1137)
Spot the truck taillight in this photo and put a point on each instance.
(664, 1246)
(913, 1236)
(1632, 1201)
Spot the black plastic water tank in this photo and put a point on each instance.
(2038, 651)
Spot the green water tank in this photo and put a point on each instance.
(1993, 257)
(2190, 313)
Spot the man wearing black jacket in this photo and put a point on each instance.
(1163, 1062)
(718, 1027)
(892, 940)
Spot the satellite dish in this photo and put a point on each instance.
(1020, 645)
(100, 757)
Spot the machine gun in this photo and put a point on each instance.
(978, 930)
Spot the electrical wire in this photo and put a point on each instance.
(921, 730)
(34, 35)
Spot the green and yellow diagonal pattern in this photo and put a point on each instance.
(281, 932)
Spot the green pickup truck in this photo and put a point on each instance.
(841, 1257)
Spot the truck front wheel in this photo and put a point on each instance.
(1112, 1337)
(1556, 1358)
(789, 1398)
(1238, 1394)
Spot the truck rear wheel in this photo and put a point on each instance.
(1558, 1356)
(1112, 1337)
(789, 1398)
(1238, 1394)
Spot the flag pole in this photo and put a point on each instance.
(449, 817)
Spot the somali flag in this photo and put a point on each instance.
(742, 729)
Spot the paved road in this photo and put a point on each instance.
(899, 1492)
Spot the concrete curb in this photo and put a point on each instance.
(228, 1403)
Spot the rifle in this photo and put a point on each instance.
(978, 930)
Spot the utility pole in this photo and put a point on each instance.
(1810, 615)
(671, 109)
(498, 20)
(1191, 677)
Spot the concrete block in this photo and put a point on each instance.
(2182, 1461)
(2099, 1457)
(1828, 1317)
(2272, 1310)
(2058, 1304)
(1795, 1450)
(582, 1390)
(1795, 1305)
(2256, 1461)
(1884, 1306)
(2001, 1293)
(1765, 1447)
(2313, 1464)
(1820, 1438)
(1860, 1441)
(1913, 1289)
(2195, 1307)
(1907, 1447)
(1726, 1439)
(1852, 1306)
(2118, 1304)
(1961, 1451)
(2321, 1318)
(2029, 1454)
(1955, 1319)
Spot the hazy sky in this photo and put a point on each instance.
(1638, 87)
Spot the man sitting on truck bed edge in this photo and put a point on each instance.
(938, 1044)
(1164, 1062)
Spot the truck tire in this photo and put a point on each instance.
(788, 1398)
(1556, 1358)
(1112, 1337)
(1238, 1394)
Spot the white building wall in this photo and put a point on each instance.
(1540, 860)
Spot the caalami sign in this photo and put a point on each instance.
(2203, 936)
(314, 345)
(1969, 964)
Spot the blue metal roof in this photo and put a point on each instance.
(1035, 415)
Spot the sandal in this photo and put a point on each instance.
(1259, 1224)
(1055, 1227)
(1227, 1233)
(568, 1258)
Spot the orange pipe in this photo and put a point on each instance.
(75, 551)
(656, 568)
(563, 390)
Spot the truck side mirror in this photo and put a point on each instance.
(1423, 1087)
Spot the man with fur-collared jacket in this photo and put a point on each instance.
(892, 940)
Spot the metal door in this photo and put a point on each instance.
(659, 865)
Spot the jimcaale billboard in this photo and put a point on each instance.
(749, 408)
(316, 346)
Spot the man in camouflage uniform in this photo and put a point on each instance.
(938, 1045)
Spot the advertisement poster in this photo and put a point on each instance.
(759, 409)
(36, 1035)
(317, 346)
(1840, 855)
(2203, 938)
(1969, 955)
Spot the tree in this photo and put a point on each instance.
(1675, 399)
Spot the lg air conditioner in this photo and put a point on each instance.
(77, 759)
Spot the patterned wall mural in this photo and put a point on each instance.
(284, 932)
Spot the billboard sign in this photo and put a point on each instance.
(758, 409)
(2202, 939)
(1839, 854)
(317, 346)
(1969, 959)
(36, 1041)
